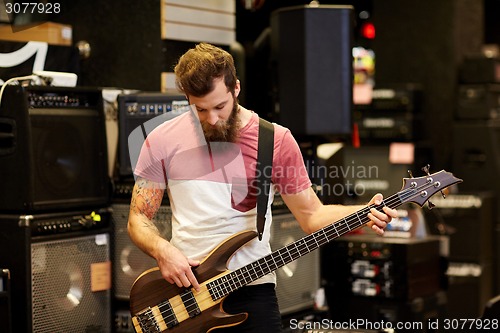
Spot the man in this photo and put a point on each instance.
(206, 160)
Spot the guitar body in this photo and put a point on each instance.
(151, 289)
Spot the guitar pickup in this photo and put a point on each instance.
(190, 303)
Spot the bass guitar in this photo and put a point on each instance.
(158, 306)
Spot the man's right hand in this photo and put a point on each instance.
(175, 267)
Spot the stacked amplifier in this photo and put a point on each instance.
(394, 115)
(138, 114)
(378, 278)
(55, 218)
(476, 139)
(465, 222)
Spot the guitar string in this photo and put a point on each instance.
(300, 248)
(401, 196)
(349, 219)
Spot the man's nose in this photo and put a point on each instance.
(212, 117)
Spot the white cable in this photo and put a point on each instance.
(28, 77)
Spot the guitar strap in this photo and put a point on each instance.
(265, 150)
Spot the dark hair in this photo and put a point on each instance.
(199, 66)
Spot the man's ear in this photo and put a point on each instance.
(237, 88)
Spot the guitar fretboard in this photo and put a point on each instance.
(228, 283)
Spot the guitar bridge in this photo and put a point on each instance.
(147, 322)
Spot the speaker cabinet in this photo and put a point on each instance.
(298, 281)
(467, 220)
(130, 261)
(52, 149)
(470, 281)
(61, 281)
(476, 155)
(312, 49)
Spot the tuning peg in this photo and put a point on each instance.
(443, 194)
(430, 204)
(427, 169)
(410, 173)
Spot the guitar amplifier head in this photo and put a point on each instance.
(298, 281)
(130, 261)
(136, 109)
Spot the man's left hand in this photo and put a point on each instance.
(379, 220)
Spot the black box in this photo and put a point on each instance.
(478, 101)
(480, 70)
(5, 309)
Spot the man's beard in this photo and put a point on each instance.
(224, 131)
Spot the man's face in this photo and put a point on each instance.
(218, 113)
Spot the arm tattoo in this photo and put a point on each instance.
(146, 199)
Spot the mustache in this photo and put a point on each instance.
(223, 131)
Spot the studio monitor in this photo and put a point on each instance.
(312, 50)
(53, 152)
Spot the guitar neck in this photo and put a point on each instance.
(226, 284)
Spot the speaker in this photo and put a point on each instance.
(130, 261)
(55, 139)
(476, 155)
(470, 281)
(312, 49)
(298, 281)
(61, 280)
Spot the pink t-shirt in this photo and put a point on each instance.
(211, 185)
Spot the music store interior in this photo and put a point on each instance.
(382, 97)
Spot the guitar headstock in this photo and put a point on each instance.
(419, 190)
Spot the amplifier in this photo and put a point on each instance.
(478, 101)
(393, 115)
(130, 261)
(60, 282)
(298, 281)
(64, 222)
(416, 315)
(470, 281)
(54, 138)
(5, 310)
(136, 109)
(385, 268)
(480, 70)
(467, 220)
